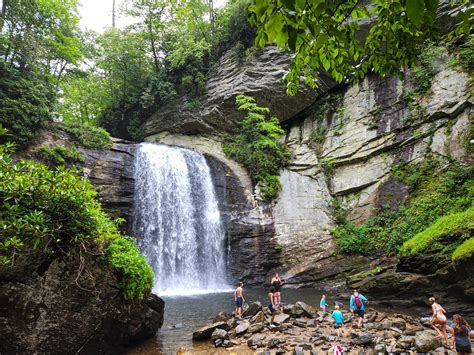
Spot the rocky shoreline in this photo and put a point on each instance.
(301, 329)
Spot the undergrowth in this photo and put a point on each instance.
(60, 154)
(87, 135)
(436, 191)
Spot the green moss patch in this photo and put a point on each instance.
(463, 250)
(443, 236)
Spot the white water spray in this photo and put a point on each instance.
(177, 221)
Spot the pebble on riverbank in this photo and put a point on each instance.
(301, 329)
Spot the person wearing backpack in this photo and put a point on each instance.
(357, 306)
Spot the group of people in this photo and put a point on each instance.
(460, 331)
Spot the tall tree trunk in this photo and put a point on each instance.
(211, 14)
(3, 14)
(113, 13)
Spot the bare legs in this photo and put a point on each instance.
(441, 333)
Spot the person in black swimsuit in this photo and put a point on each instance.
(277, 283)
(461, 335)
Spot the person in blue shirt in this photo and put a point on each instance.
(357, 306)
(323, 303)
(338, 319)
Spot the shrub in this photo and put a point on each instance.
(60, 154)
(87, 135)
(56, 210)
(434, 193)
(427, 68)
(258, 146)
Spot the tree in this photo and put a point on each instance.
(347, 38)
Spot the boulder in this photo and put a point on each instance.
(405, 342)
(298, 350)
(296, 311)
(258, 318)
(273, 343)
(219, 334)
(256, 340)
(222, 317)
(252, 309)
(242, 327)
(255, 328)
(281, 318)
(48, 307)
(308, 310)
(363, 339)
(206, 331)
(426, 341)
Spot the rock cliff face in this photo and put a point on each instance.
(344, 142)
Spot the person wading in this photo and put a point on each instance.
(277, 283)
(438, 317)
(461, 335)
(357, 306)
(239, 300)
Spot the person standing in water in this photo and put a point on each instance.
(272, 305)
(277, 283)
(338, 319)
(323, 304)
(461, 335)
(239, 299)
(357, 306)
(438, 317)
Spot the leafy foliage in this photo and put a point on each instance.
(25, 103)
(434, 193)
(60, 154)
(88, 136)
(327, 35)
(258, 146)
(57, 212)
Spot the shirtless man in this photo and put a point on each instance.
(239, 299)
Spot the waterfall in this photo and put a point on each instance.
(177, 220)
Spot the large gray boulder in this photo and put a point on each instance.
(207, 331)
(426, 341)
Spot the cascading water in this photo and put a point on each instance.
(177, 220)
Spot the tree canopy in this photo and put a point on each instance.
(349, 38)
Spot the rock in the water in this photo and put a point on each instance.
(281, 318)
(425, 341)
(256, 340)
(219, 334)
(206, 331)
(308, 310)
(242, 327)
(255, 328)
(222, 317)
(252, 310)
